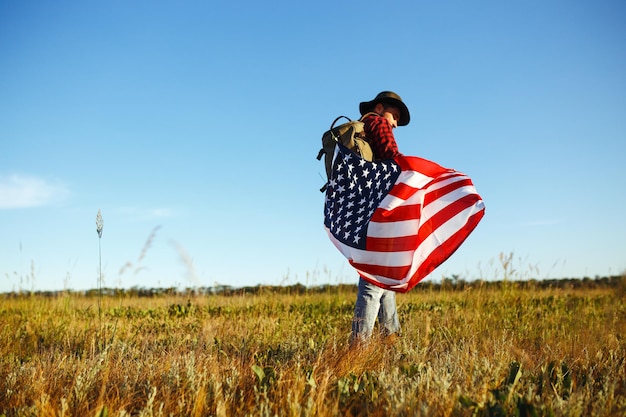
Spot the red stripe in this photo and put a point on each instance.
(403, 191)
(393, 272)
(405, 212)
(424, 166)
(395, 244)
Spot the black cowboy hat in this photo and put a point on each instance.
(390, 98)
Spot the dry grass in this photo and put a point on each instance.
(482, 351)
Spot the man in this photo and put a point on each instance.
(381, 115)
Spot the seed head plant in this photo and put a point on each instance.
(99, 227)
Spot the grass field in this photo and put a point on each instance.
(466, 350)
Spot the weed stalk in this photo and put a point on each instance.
(99, 227)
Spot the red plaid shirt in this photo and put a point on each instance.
(379, 134)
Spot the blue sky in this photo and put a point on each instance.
(194, 127)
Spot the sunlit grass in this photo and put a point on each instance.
(482, 350)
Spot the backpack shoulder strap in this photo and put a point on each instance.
(368, 114)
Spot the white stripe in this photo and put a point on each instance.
(389, 202)
(413, 179)
(393, 229)
(416, 179)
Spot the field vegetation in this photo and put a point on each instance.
(532, 348)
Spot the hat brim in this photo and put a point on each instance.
(368, 106)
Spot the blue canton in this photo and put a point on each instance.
(354, 191)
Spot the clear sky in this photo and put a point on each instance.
(194, 126)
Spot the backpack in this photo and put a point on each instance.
(351, 135)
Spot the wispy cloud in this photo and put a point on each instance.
(23, 191)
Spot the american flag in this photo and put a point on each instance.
(397, 220)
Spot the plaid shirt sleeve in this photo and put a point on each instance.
(379, 134)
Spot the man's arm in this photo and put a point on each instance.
(379, 134)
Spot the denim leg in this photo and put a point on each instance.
(365, 310)
(388, 314)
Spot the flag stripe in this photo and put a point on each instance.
(392, 230)
(405, 212)
(403, 243)
(392, 273)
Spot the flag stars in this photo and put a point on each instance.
(355, 191)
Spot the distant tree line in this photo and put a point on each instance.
(454, 283)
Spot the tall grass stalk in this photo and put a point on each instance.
(99, 227)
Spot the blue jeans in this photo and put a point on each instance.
(372, 302)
